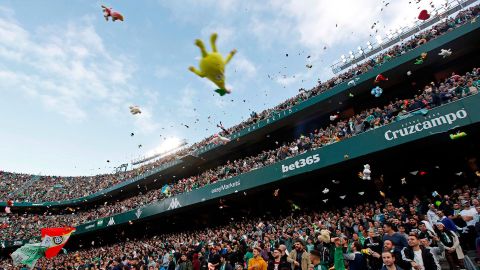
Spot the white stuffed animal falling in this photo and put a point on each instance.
(366, 172)
(134, 110)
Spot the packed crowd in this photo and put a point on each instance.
(21, 226)
(398, 233)
(51, 188)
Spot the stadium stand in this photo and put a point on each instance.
(423, 194)
(52, 188)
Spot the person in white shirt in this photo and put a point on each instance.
(469, 215)
(432, 214)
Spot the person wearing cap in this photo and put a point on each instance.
(257, 262)
(453, 250)
(315, 259)
(299, 257)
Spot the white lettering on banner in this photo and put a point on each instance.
(440, 120)
(174, 204)
(226, 186)
(89, 226)
(301, 163)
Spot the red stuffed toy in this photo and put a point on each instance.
(423, 15)
(380, 78)
(108, 12)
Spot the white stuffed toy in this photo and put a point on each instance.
(366, 172)
(218, 139)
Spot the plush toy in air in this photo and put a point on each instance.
(458, 135)
(212, 65)
(445, 53)
(109, 12)
(423, 15)
(380, 78)
(134, 110)
(366, 172)
(422, 58)
(377, 91)
(218, 139)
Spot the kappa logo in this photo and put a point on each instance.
(138, 213)
(111, 222)
(174, 204)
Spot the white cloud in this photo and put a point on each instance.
(242, 65)
(144, 122)
(165, 146)
(313, 23)
(68, 69)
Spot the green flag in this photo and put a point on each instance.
(28, 254)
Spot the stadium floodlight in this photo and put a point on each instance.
(360, 50)
(343, 58)
(379, 39)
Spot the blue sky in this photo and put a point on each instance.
(67, 76)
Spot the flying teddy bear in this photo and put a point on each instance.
(365, 175)
(212, 65)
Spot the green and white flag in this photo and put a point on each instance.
(28, 254)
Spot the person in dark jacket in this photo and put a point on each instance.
(355, 259)
(374, 243)
(224, 265)
(389, 246)
(184, 263)
(419, 257)
(278, 262)
(171, 263)
(203, 262)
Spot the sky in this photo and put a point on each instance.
(67, 77)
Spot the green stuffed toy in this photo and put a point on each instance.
(212, 65)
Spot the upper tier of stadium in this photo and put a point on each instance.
(451, 91)
(25, 189)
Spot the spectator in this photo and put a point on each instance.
(453, 250)
(355, 258)
(389, 261)
(419, 257)
(299, 257)
(257, 262)
(398, 240)
(277, 262)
